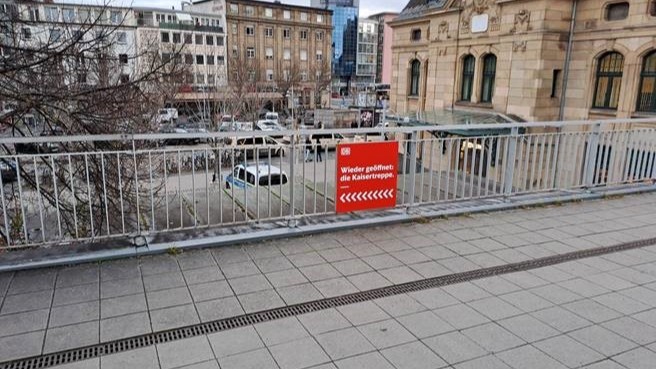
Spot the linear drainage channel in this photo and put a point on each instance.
(108, 348)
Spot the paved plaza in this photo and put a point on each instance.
(596, 313)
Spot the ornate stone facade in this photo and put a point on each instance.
(528, 39)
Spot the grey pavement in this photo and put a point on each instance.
(591, 313)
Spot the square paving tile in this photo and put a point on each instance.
(433, 298)
(299, 293)
(195, 259)
(430, 269)
(632, 329)
(32, 281)
(249, 284)
(496, 285)
(121, 287)
(485, 362)
(285, 278)
(410, 256)
(495, 308)
(336, 254)
(454, 347)
(21, 345)
(602, 340)
(352, 266)
(529, 357)
(556, 294)
(23, 322)
(210, 291)
(372, 360)
(167, 298)
(363, 313)
(584, 288)
(399, 305)
(219, 309)
(319, 272)
(335, 287)
(230, 255)
(526, 301)
(461, 316)
(591, 310)
(236, 270)
(306, 259)
(386, 333)
(639, 358)
(568, 351)
(437, 252)
(203, 275)
(163, 281)
(382, 261)
(323, 321)
(424, 324)
(72, 314)
(400, 274)
(466, 292)
(71, 336)
(124, 326)
(528, 328)
(77, 275)
(235, 341)
(274, 264)
(173, 317)
(344, 343)
(281, 331)
(158, 264)
(368, 281)
(120, 269)
(262, 300)
(413, 355)
(258, 359)
(492, 337)
(561, 319)
(299, 354)
(184, 352)
(122, 305)
(621, 303)
(26, 302)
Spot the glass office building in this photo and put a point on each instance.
(345, 41)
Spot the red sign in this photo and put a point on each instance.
(366, 176)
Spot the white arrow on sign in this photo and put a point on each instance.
(367, 195)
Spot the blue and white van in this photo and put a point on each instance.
(255, 175)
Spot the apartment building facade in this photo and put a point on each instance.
(288, 44)
(367, 56)
(384, 53)
(535, 59)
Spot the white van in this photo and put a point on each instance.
(253, 175)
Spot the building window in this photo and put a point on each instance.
(235, 52)
(652, 8)
(303, 55)
(250, 30)
(209, 40)
(220, 60)
(468, 65)
(319, 18)
(123, 58)
(234, 9)
(115, 17)
(250, 52)
(210, 59)
(617, 11)
(249, 10)
(647, 91)
(121, 37)
(608, 81)
(489, 73)
(286, 33)
(268, 53)
(268, 32)
(319, 35)
(198, 39)
(200, 79)
(286, 14)
(555, 80)
(200, 59)
(416, 35)
(189, 59)
(303, 35)
(124, 79)
(319, 55)
(304, 76)
(27, 33)
(52, 14)
(304, 17)
(269, 75)
(233, 26)
(176, 38)
(268, 12)
(286, 54)
(68, 15)
(187, 38)
(415, 71)
(219, 40)
(210, 79)
(55, 35)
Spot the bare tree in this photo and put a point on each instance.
(287, 76)
(247, 88)
(320, 74)
(77, 78)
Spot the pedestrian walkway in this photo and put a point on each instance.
(597, 311)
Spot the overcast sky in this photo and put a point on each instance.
(367, 7)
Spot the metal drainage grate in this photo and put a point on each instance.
(127, 344)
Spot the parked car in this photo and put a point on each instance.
(260, 145)
(255, 175)
(8, 171)
(270, 126)
(328, 140)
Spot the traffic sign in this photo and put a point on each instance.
(366, 175)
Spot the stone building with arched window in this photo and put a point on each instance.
(534, 59)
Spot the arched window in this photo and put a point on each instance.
(489, 74)
(608, 81)
(468, 65)
(647, 92)
(414, 77)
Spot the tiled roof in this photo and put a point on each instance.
(416, 8)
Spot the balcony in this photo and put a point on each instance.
(191, 27)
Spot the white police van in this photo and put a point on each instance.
(255, 175)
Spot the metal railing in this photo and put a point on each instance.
(84, 188)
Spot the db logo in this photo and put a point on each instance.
(345, 151)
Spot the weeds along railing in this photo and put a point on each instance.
(63, 189)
